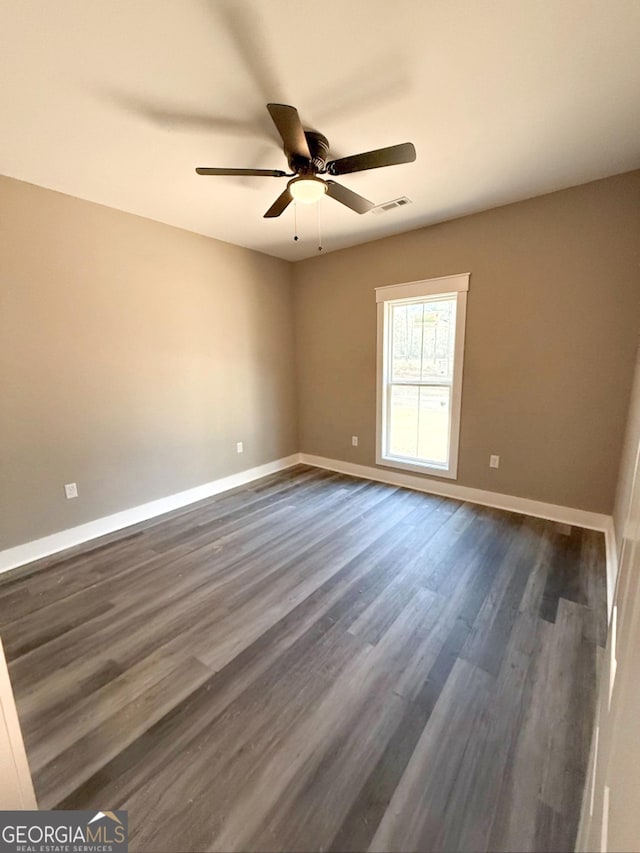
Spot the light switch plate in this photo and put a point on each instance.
(71, 490)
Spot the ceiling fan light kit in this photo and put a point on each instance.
(307, 189)
(307, 152)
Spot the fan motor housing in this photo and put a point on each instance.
(319, 149)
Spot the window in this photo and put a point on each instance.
(420, 351)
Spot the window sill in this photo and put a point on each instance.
(449, 473)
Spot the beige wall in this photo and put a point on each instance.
(616, 763)
(133, 356)
(553, 317)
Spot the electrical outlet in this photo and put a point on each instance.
(494, 462)
(239, 447)
(71, 490)
(354, 440)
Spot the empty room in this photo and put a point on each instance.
(319, 425)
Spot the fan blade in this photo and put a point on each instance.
(391, 156)
(287, 122)
(273, 173)
(348, 197)
(279, 205)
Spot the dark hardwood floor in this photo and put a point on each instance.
(316, 662)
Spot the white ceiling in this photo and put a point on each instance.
(118, 100)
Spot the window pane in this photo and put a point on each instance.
(423, 339)
(433, 431)
(403, 420)
(419, 422)
(406, 346)
(438, 340)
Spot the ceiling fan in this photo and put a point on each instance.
(307, 152)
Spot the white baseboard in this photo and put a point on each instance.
(39, 548)
(525, 506)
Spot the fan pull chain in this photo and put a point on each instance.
(295, 220)
(319, 229)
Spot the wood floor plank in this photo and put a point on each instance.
(414, 817)
(62, 730)
(94, 748)
(531, 764)
(565, 578)
(493, 627)
(42, 626)
(315, 662)
(367, 810)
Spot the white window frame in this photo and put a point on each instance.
(394, 294)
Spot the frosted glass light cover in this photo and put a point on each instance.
(307, 190)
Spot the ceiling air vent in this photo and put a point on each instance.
(390, 205)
